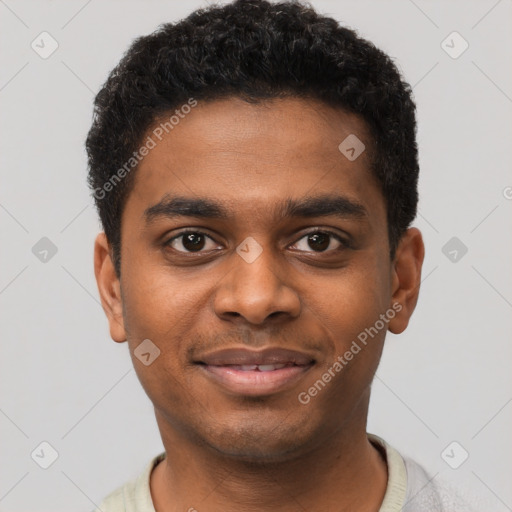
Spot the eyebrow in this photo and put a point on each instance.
(171, 207)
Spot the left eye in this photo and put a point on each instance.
(191, 241)
(321, 241)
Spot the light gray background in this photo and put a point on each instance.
(63, 380)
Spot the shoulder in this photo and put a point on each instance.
(427, 491)
(133, 496)
(423, 491)
(412, 489)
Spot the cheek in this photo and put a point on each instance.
(170, 312)
(155, 308)
(157, 303)
(350, 314)
(350, 308)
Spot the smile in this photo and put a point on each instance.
(249, 373)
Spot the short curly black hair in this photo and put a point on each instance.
(253, 50)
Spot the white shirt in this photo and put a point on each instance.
(409, 488)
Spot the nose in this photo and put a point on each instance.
(255, 291)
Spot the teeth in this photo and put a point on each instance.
(270, 367)
(259, 367)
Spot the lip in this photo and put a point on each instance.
(243, 356)
(224, 368)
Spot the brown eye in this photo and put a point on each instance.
(321, 241)
(190, 241)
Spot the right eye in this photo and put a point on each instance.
(190, 241)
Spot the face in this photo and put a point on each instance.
(254, 255)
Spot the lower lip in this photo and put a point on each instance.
(256, 383)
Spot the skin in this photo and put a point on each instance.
(231, 452)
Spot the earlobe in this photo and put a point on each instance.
(406, 278)
(109, 287)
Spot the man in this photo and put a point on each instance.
(255, 170)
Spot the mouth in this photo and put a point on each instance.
(251, 373)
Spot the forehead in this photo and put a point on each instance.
(253, 156)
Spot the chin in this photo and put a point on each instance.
(260, 441)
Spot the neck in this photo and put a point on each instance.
(343, 473)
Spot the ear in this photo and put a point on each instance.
(109, 287)
(406, 278)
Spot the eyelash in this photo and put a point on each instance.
(345, 243)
